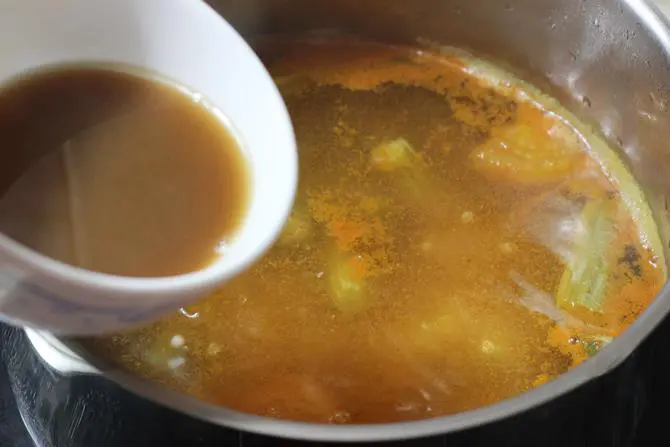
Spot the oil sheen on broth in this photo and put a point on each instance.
(455, 241)
(117, 171)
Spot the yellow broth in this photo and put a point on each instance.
(440, 256)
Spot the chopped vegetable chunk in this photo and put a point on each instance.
(523, 154)
(393, 155)
(585, 279)
(347, 284)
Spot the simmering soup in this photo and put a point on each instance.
(457, 239)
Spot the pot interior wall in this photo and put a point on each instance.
(601, 60)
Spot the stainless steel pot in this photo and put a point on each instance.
(607, 60)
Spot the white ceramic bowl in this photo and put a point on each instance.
(183, 40)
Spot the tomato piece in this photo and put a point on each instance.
(534, 149)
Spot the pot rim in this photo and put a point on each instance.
(658, 26)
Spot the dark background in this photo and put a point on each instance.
(625, 408)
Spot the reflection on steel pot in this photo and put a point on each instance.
(606, 62)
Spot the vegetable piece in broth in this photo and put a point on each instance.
(407, 167)
(585, 279)
(523, 153)
(347, 284)
(394, 155)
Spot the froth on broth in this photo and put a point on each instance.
(456, 240)
(117, 171)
